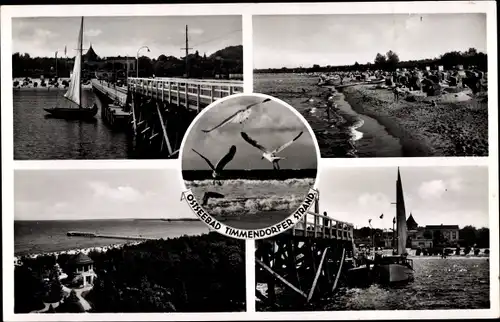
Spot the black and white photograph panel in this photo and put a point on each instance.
(250, 161)
(380, 85)
(118, 87)
(118, 241)
(384, 238)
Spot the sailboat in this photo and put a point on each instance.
(73, 97)
(396, 268)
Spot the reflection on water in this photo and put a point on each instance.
(452, 283)
(38, 136)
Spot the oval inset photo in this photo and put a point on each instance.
(249, 164)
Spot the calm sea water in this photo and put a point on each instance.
(347, 134)
(38, 137)
(33, 237)
(451, 283)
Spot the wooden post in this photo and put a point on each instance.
(165, 136)
(318, 272)
(198, 92)
(270, 292)
(163, 91)
(134, 121)
(315, 226)
(169, 92)
(186, 96)
(339, 271)
(211, 93)
(178, 94)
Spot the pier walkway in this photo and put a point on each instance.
(190, 93)
(158, 111)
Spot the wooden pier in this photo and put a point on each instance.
(159, 110)
(305, 262)
(94, 235)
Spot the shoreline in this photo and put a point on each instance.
(412, 144)
(73, 251)
(100, 249)
(425, 130)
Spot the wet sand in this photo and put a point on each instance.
(451, 128)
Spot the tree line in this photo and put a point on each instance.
(223, 62)
(469, 236)
(390, 62)
(187, 274)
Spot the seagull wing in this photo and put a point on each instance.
(230, 118)
(206, 160)
(226, 159)
(253, 142)
(227, 120)
(210, 194)
(284, 146)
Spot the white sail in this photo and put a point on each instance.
(401, 217)
(74, 90)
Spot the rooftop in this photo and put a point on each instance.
(82, 259)
(441, 227)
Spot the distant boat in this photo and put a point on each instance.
(396, 268)
(73, 108)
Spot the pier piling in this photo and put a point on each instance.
(307, 260)
(158, 111)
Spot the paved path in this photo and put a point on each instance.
(79, 291)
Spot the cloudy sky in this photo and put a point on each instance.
(98, 194)
(113, 36)
(292, 41)
(271, 124)
(435, 195)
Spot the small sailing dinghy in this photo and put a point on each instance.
(396, 268)
(72, 107)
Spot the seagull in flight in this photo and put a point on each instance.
(238, 117)
(216, 174)
(270, 155)
(210, 194)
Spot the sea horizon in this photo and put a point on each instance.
(49, 236)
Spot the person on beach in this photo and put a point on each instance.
(396, 94)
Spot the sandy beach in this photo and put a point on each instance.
(101, 249)
(456, 126)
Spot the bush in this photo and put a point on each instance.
(71, 304)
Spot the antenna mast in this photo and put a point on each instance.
(187, 52)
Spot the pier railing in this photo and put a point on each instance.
(191, 93)
(115, 93)
(323, 227)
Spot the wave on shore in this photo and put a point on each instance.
(248, 197)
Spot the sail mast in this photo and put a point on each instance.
(400, 216)
(80, 52)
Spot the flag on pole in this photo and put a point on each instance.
(56, 54)
(381, 216)
(64, 50)
(369, 221)
(394, 220)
